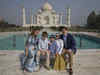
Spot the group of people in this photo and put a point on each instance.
(59, 46)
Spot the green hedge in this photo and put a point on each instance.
(76, 29)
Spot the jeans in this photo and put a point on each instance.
(29, 63)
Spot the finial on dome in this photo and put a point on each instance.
(47, 6)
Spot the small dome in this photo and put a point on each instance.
(47, 6)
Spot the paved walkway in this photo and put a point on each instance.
(85, 63)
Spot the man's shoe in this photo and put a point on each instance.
(70, 72)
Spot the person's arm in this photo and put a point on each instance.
(57, 48)
(47, 45)
(73, 46)
(39, 44)
(26, 51)
(61, 46)
(28, 40)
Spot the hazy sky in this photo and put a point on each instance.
(11, 12)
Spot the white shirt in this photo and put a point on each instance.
(43, 44)
(60, 45)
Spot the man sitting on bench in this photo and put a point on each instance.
(69, 46)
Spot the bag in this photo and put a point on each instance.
(59, 63)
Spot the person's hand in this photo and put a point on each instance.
(32, 48)
(43, 52)
(63, 51)
(49, 43)
(70, 51)
(57, 53)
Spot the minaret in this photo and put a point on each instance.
(61, 14)
(31, 16)
(24, 16)
(68, 17)
(32, 19)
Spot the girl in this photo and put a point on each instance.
(59, 60)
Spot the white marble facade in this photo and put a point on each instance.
(46, 16)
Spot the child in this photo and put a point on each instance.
(53, 45)
(59, 60)
(43, 48)
(53, 48)
(60, 44)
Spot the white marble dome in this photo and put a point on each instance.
(47, 6)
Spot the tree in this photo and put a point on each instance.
(91, 20)
(98, 21)
(3, 22)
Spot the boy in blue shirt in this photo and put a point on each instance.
(53, 45)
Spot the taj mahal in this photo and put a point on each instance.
(46, 16)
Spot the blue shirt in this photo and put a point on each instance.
(53, 47)
(43, 44)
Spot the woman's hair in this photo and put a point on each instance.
(45, 34)
(33, 30)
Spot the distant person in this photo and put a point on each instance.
(31, 48)
(43, 49)
(69, 46)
